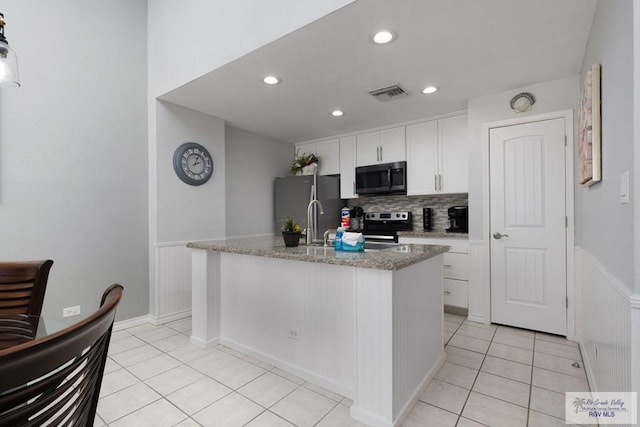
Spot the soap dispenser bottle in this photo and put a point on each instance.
(337, 245)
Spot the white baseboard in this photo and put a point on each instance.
(130, 323)
(147, 318)
(204, 344)
(159, 320)
(292, 369)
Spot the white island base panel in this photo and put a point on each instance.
(375, 336)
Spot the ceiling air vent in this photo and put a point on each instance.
(389, 93)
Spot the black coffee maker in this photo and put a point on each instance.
(458, 219)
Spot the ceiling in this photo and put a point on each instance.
(467, 48)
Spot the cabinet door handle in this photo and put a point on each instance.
(354, 187)
(381, 153)
(447, 266)
(377, 153)
(439, 182)
(447, 292)
(435, 182)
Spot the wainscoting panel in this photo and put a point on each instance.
(479, 282)
(173, 282)
(298, 315)
(605, 327)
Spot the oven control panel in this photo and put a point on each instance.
(403, 216)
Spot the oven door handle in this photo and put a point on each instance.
(384, 237)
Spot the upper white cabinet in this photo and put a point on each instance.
(385, 146)
(437, 156)
(422, 155)
(454, 154)
(328, 153)
(348, 168)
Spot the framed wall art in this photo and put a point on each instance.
(589, 129)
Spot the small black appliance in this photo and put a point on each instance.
(458, 219)
(426, 219)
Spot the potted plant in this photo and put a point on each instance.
(291, 232)
(304, 164)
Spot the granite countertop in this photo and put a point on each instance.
(433, 234)
(394, 258)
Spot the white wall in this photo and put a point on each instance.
(554, 96)
(605, 228)
(635, 193)
(253, 161)
(178, 212)
(73, 169)
(188, 212)
(550, 97)
(603, 225)
(189, 39)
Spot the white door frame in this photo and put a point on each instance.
(485, 285)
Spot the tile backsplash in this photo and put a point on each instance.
(438, 203)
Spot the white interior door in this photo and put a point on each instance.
(528, 226)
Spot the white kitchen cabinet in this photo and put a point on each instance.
(328, 153)
(454, 157)
(455, 269)
(422, 158)
(329, 157)
(437, 156)
(385, 146)
(348, 168)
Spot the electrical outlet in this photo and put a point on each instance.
(294, 334)
(71, 311)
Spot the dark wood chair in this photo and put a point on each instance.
(22, 286)
(56, 379)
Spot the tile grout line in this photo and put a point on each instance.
(484, 357)
(533, 357)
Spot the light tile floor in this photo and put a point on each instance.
(494, 375)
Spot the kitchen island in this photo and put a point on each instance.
(367, 325)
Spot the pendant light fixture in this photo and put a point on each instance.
(8, 60)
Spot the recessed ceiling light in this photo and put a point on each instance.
(383, 37)
(337, 113)
(429, 89)
(271, 80)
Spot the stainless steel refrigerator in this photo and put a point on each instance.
(292, 197)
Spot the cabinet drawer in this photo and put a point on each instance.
(456, 266)
(457, 245)
(456, 293)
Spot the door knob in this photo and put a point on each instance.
(497, 235)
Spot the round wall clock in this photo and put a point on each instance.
(192, 163)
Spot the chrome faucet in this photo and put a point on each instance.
(311, 225)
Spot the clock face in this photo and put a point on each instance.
(192, 163)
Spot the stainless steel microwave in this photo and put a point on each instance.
(386, 178)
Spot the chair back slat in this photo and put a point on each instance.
(55, 380)
(22, 286)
